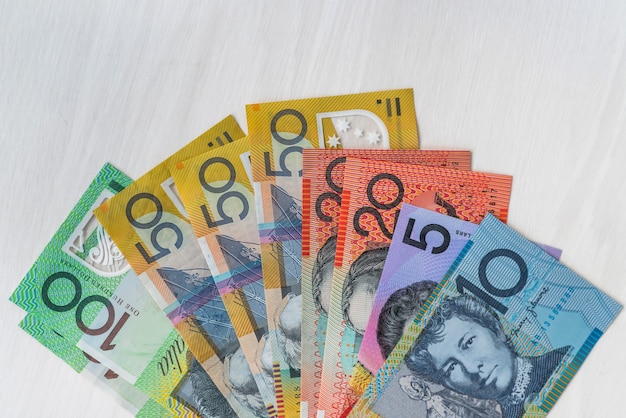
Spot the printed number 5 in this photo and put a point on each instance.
(421, 243)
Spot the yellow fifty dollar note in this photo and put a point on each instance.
(216, 189)
(148, 223)
(278, 133)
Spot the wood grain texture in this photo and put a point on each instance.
(535, 89)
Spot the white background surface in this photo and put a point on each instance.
(534, 89)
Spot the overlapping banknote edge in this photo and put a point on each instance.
(260, 122)
(130, 398)
(315, 196)
(562, 373)
(464, 199)
(57, 255)
(413, 258)
(240, 284)
(188, 325)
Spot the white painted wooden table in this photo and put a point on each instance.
(534, 89)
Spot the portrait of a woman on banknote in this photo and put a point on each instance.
(464, 348)
(398, 313)
(322, 275)
(360, 287)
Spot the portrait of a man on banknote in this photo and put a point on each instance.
(289, 326)
(360, 287)
(398, 313)
(205, 396)
(464, 348)
(240, 381)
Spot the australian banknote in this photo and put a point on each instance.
(372, 194)
(322, 184)
(79, 288)
(278, 132)
(508, 325)
(423, 247)
(132, 399)
(217, 192)
(148, 223)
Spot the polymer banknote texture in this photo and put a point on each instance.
(149, 224)
(278, 132)
(423, 247)
(322, 184)
(508, 327)
(82, 295)
(372, 194)
(216, 189)
(131, 398)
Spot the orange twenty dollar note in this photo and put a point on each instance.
(372, 194)
(321, 200)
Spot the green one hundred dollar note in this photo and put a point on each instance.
(81, 274)
(174, 377)
(216, 189)
(278, 133)
(132, 399)
(507, 324)
(149, 224)
(82, 288)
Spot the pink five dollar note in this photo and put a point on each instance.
(322, 185)
(372, 194)
(278, 132)
(216, 189)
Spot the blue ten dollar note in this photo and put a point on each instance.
(505, 331)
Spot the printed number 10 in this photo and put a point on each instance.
(491, 290)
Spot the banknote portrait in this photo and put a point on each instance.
(288, 319)
(205, 397)
(447, 403)
(263, 360)
(464, 348)
(398, 312)
(240, 381)
(360, 287)
(322, 274)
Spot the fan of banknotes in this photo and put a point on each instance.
(322, 266)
